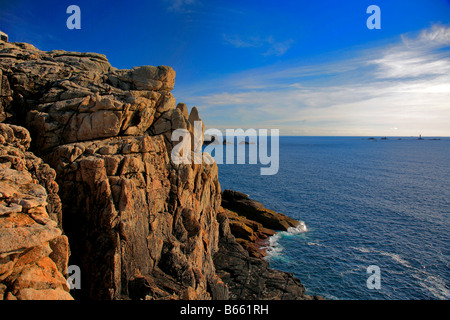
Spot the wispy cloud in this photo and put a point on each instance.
(417, 56)
(181, 5)
(434, 37)
(402, 89)
(269, 45)
(238, 42)
(278, 48)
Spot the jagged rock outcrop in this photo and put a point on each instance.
(239, 261)
(33, 251)
(139, 226)
(249, 277)
(251, 223)
(251, 235)
(254, 210)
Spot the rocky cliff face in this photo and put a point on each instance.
(139, 226)
(33, 251)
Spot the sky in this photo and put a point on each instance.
(308, 68)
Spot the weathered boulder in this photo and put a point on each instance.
(153, 78)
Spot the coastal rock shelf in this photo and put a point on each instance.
(254, 210)
(249, 277)
(85, 171)
(251, 223)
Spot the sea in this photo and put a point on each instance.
(374, 211)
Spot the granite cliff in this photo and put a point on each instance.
(86, 179)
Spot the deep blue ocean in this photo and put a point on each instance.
(364, 202)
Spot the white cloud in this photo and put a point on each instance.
(278, 48)
(269, 45)
(417, 56)
(436, 36)
(404, 91)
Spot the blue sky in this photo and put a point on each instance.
(304, 67)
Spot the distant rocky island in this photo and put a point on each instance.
(86, 179)
(402, 138)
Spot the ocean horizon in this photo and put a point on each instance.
(364, 202)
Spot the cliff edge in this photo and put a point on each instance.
(138, 225)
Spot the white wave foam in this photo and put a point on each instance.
(300, 228)
(274, 248)
(433, 284)
(437, 287)
(396, 257)
(314, 244)
(361, 249)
